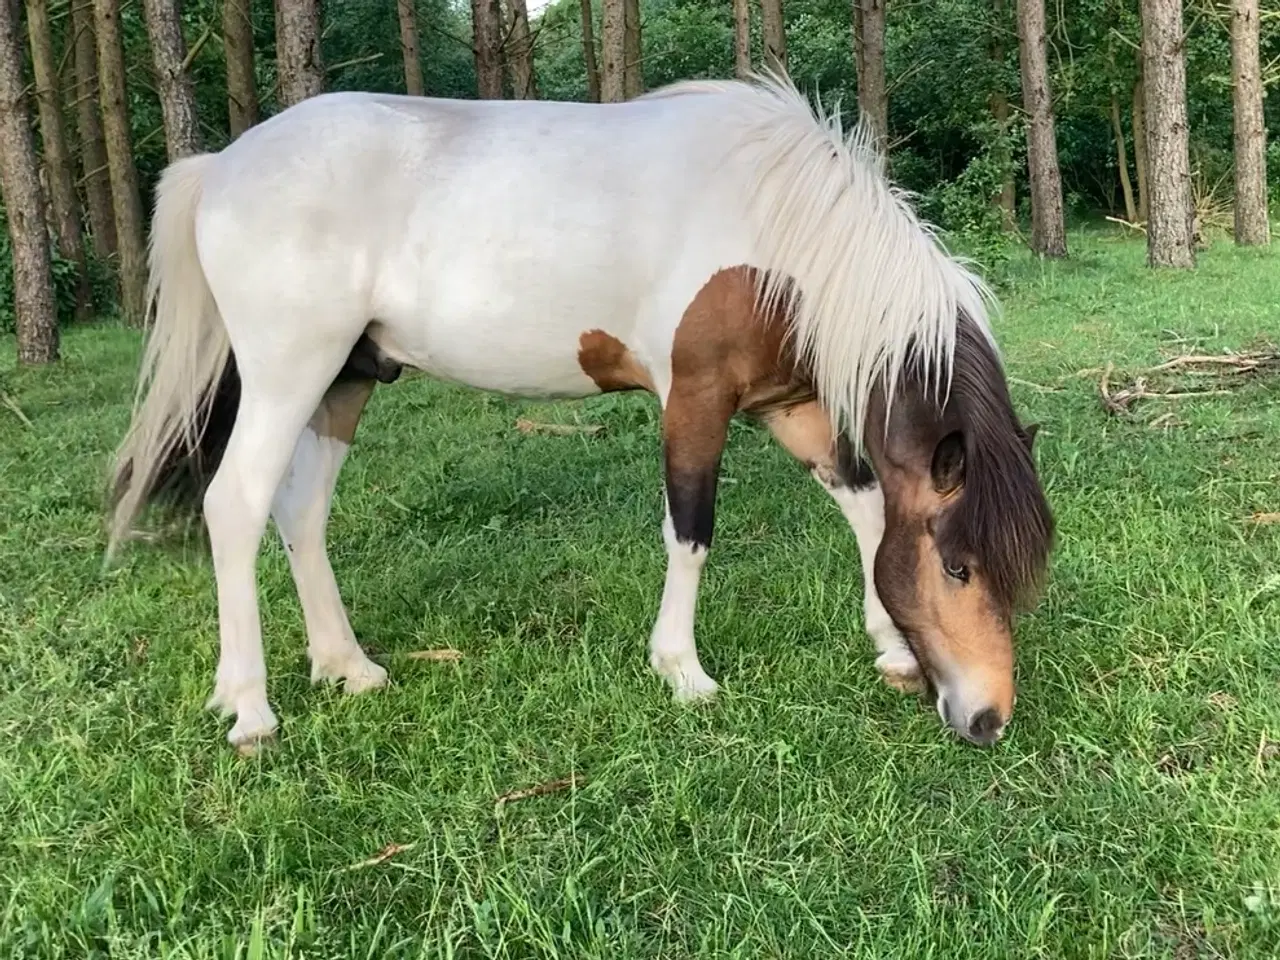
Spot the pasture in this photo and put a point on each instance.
(1132, 810)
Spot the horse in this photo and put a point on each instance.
(724, 246)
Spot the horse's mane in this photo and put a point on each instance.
(871, 280)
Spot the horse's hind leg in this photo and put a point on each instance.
(804, 430)
(301, 512)
(279, 394)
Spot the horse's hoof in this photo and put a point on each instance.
(254, 728)
(357, 675)
(899, 670)
(693, 688)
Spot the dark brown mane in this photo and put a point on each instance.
(1003, 517)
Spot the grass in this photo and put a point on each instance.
(1132, 811)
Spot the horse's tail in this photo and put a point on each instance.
(188, 389)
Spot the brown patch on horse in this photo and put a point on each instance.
(606, 360)
(339, 412)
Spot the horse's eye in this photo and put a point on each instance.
(957, 570)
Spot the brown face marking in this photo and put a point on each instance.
(340, 410)
(606, 360)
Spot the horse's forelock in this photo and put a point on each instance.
(1003, 517)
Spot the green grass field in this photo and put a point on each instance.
(1133, 809)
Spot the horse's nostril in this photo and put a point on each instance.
(985, 726)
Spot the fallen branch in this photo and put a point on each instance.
(16, 410)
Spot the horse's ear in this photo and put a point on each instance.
(947, 467)
(1029, 435)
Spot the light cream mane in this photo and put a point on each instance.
(872, 280)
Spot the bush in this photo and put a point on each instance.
(102, 293)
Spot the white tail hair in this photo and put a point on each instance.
(186, 351)
(865, 281)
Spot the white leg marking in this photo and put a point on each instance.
(864, 509)
(672, 651)
(301, 511)
(236, 507)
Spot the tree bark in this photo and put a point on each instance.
(242, 89)
(633, 75)
(524, 80)
(486, 31)
(177, 99)
(741, 38)
(1170, 234)
(868, 50)
(1122, 161)
(33, 301)
(1048, 227)
(408, 13)
(1252, 227)
(126, 201)
(774, 32)
(93, 148)
(589, 52)
(1140, 145)
(613, 51)
(299, 62)
(57, 156)
(1007, 198)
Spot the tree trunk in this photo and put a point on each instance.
(237, 42)
(524, 81)
(1252, 226)
(93, 148)
(741, 38)
(126, 202)
(57, 157)
(33, 302)
(1048, 228)
(589, 53)
(408, 13)
(633, 75)
(774, 33)
(299, 62)
(1122, 161)
(868, 55)
(613, 51)
(1007, 198)
(1170, 236)
(1140, 146)
(177, 99)
(486, 31)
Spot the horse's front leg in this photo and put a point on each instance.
(804, 430)
(695, 423)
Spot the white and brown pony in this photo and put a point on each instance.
(721, 245)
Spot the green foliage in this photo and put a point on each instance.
(102, 287)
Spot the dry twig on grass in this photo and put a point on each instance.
(551, 786)
(559, 429)
(382, 856)
(443, 654)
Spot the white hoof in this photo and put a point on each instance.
(358, 675)
(900, 670)
(253, 728)
(688, 681)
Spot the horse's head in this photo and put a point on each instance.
(967, 533)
